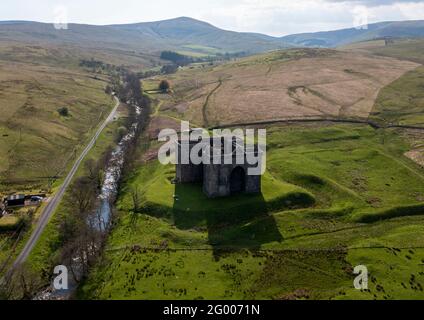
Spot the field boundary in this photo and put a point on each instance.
(373, 124)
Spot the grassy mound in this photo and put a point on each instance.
(396, 212)
(192, 208)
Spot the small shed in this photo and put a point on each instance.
(15, 200)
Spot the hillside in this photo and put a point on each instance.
(185, 32)
(190, 35)
(282, 84)
(175, 34)
(402, 101)
(32, 132)
(398, 29)
(77, 34)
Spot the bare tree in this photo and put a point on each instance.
(22, 284)
(137, 198)
(83, 194)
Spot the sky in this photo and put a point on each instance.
(273, 17)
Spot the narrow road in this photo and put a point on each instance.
(55, 200)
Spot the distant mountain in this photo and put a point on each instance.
(77, 34)
(187, 34)
(175, 34)
(400, 29)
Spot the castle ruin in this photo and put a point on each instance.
(223, 175)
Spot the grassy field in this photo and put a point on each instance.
(281, 84)
(402, 102)
(203, 49)
(342, 173)
(36, 142)
(409, 49)
(8, 223)
(68, 56)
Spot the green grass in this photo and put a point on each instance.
(402, 102)
(9, 223)
(36, 143)
(347, 166)
(407, 49)
(192, 54)
(154, 181)
(190, 250)
(205, 50)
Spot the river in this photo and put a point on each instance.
(107, 197)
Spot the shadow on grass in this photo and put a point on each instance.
(239, 222)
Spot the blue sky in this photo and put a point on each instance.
(274, 17)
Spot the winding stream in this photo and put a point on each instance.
(107, 197)
(113, 174)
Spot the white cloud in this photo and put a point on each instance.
(411, 11)
(275, 17)
(281, 17)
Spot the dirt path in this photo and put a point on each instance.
(205, 105)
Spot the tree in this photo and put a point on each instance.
(23, 283)
(138, 198)
(83, 194)
(178, 59)
(120, 133)
(169, 68)
(63, 111)
(108, 89)
(164, 86)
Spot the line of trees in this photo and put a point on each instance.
(97, 66)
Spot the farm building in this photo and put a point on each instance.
(20, 200)
(223, 179)
(15, 200)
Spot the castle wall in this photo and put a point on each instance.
(216, 178)
(189, 173)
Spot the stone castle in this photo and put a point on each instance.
(223, 179)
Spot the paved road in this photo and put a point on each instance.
(55, 200)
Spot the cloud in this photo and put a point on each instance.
(282, 17)
(374, 3)
(274, 17)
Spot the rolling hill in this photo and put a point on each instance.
(190, 35)
(174, 34)
(186, 32)
(295, 83)
(398, 29)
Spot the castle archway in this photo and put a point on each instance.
(238, 180)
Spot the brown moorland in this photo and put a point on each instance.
(295, 83)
